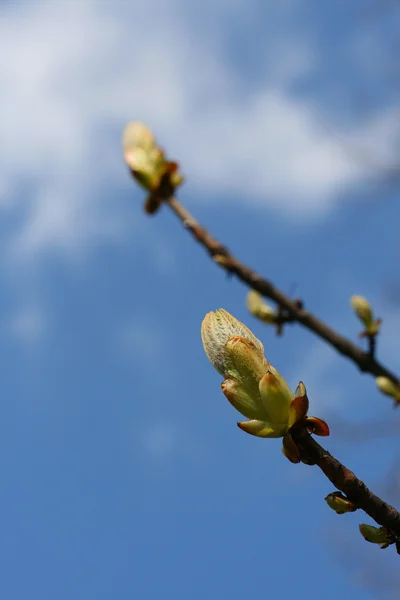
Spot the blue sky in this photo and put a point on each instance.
(124, 474)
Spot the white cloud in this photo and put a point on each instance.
(77, 72)
(274, 151)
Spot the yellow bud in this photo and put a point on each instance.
(259, 308)
(388, 387)
(276, 396)
(376, 535)
(247, 403)
(339, 503)
(252, 385)
(137, 135)
(217, 327)
(262, 429)
(146, 159)
(363, 310)
(222, 260)
(142, 155)
(244, 361)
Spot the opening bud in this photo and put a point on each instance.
(146, 159)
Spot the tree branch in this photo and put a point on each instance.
(221, 255)
(345, 481)
(342, 478)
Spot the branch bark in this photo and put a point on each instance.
(342, 478)
(345, 481)
(223, 257)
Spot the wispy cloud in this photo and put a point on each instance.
(66, 97)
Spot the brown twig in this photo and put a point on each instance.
(342, 478)
(372, 345)
(295, 310)
(345, 481)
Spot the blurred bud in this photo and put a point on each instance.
(388, 387)
(142, 155)
(146, 159)
(260, 309)
(376, 535)
(136, 135)
(363, 310)
(339, 503)
(222, 260)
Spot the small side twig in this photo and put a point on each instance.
(346, 481)
(371, 345)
